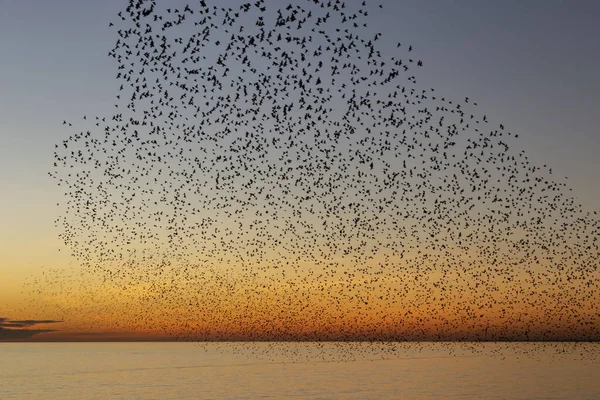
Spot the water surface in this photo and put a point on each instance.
(299, 370)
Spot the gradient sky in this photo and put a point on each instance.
(530, 65)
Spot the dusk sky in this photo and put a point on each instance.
(531, 66)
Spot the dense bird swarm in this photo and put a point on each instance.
(270, 174)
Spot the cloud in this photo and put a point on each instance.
(27, 322)
(8, 331)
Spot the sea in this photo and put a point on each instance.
(243, 370)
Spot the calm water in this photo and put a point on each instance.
(302, 371)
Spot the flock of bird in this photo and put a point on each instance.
(270, 173)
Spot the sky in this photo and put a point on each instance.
(530, 65)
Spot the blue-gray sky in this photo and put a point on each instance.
(530, 65)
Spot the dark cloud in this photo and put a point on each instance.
(27, 322)
(7, 333)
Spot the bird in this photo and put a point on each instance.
(269, 173)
